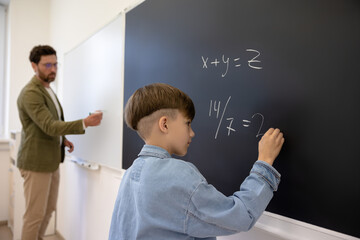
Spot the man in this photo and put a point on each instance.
(43, 141)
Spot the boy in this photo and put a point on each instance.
(161, 197)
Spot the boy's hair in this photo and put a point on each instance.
(154, 97)
(40, 50)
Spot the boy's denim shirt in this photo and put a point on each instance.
(161, 197)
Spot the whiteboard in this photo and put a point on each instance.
(93, 80)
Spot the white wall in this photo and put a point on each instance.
(29, 26)
(86, 201)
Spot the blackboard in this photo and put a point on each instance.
(254, 64)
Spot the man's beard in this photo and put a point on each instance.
(49, 78)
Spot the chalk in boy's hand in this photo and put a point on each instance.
(270, 145)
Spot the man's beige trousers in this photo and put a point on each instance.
(41, 193)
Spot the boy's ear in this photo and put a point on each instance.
(163, 124)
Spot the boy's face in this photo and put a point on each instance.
(180, 134)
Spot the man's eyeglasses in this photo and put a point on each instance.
(50, 65)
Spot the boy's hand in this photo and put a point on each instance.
(270, 145)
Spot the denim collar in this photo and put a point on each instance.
(154, 151)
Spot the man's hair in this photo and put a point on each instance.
(154, 97)
(40, 50)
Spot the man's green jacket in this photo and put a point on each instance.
(40, 148)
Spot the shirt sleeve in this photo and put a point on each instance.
(83, 123)
(210, 213)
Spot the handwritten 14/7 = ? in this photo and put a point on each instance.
(215, 107)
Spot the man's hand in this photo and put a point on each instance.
(70, 145)
(94, 119)
(270, 145)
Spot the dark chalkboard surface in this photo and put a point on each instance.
(251, 65)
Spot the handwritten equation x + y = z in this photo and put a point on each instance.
(215, 107)
(253, 63)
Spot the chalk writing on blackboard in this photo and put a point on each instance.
(246, 123)
(215, 109)
(253, 62)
